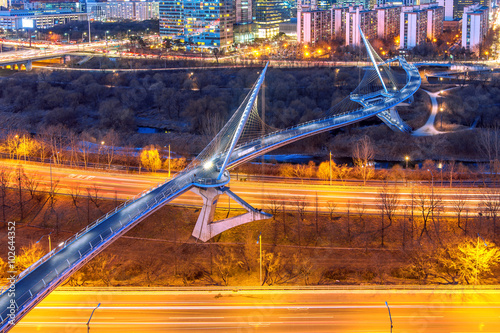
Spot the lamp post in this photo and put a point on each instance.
(50, 247)
(106, 38)
(390, 317)
(169, 161)
(441, 116)
(440, 167)
(330, 168)
(407, 158)
(260, 258)
(432, 175)
(99, 153)
(88, 323)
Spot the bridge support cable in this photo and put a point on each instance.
(243, 120)
(370, 54)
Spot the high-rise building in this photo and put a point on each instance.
(314, 26)
(413, 27)
(388, 21)
(474, 26)
(268, 17)
(435, 18)
(448, 8)
(171, 19)
(339, 21)
(459, 5)
(208, 24)
(356, 18)
(200, 24)
(243, 11)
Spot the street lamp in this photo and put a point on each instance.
(99, 153)
(330, 168)
(440, 167)
(390, 317)
(260, 257)
(50, 247)
(441, 112)
(432, 175)
(88, 323)
(407, 158)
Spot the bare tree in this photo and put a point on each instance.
(489, 145)
(389, 203)
(5, 175)
(84, 148)
(301, 205)
(274, 206)
(53, 190)
(451, 165)
(111, 141)
(490, 204)
(93, 194)
(31, 183)
(459, 205)
(75, 192)
(74, 146)
(363, 155)
(427, 203)
(19, 177)
(332, 207)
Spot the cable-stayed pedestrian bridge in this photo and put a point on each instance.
(244, 137)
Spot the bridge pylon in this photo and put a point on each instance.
(206, 227)
(212, 176)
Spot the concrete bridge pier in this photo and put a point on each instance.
(206, 227)
(29, 66)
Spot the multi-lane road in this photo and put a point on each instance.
(358, 310)
(259, 194)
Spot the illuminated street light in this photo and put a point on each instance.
(441, 114)
(440, 167)
(432, 175)
(407, 158)
(50, 247)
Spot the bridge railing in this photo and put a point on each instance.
(85, 230)
(404, 64)
(72, 259)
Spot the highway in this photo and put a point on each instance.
(258, 194)
(357, 310)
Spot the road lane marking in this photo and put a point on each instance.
(84, 318)
(177, 318)
(307, 317)
(260, 306)
(416, 316)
